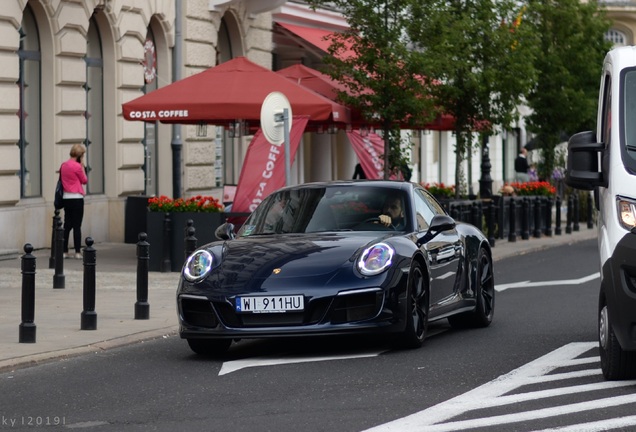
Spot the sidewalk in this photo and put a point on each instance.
(58, 311)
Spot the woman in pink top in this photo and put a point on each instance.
(73, 176)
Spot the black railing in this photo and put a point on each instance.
(522, 217)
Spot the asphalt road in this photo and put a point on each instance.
(541, 343)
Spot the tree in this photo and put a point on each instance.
(386, 80)
(572, 48)
(482, 55)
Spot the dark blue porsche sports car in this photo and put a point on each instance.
(340, 257)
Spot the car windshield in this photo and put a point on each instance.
(333, 208)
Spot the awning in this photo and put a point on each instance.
(317, 38)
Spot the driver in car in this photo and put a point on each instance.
(392, 213)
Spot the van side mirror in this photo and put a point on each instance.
(582, 166)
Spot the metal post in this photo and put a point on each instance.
(525, 234)
(568, 223)
(56, 217)
(190, 240)
(537, 217)
(166, 264)
(512, 235)
(485, 182)
(575, 219)
(548, 217)
(142, 308)
(557, 226)
(590, 219)
(27, 328)
(89, 316)
(491, 223)
(287, 147)
(58, 277)
(177, 63)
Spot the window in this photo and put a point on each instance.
(94, 111)
(29, 81)
(425, 209)
(616, 37)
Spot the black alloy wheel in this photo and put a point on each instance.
(616, 364)
(416, 309)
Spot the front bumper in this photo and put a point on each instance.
(362, 311)
(619, 286)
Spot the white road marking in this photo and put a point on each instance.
(528, 284)
(499, 392)
(446, 275)
(233, 366)
(602, 425)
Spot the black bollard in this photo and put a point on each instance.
(476, 213)
(575, 216)
(142, 308)
(56, 217)
(590, 220)
(525, 219)
(27, 326)
(512, 235)
(548, 217)
(190, 240)
(568, 220)
(557, 222)
(537, 218)
(491, 222)
(58, 277)
(89, 316)
(166, 264)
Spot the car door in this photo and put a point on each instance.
(443, 252)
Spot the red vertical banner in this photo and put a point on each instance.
(370, 151)
(263, 169)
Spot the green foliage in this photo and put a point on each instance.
(386, 79)
(572, 48)
(482, 55)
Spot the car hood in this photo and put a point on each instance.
(259, 263)
(296, 255)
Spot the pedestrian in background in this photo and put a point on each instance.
(521, 166)
(73, 175)
(358, 173)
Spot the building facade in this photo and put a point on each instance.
(67, 66)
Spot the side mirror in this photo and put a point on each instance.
(440, 223)
(225, 231)
(582, 167)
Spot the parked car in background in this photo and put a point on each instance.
(322, 258)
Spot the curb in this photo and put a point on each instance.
(16, 363)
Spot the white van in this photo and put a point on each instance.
(605, 162)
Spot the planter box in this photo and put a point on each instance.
(204, 224)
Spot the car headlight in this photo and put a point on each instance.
(626, 212)
(375, 259)
(198, 265)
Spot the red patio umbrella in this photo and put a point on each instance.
(228, 92)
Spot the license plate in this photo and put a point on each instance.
(270, 304)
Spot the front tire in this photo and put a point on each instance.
(484, 294)
(209, 347)
(416, 309)
(616, 364)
